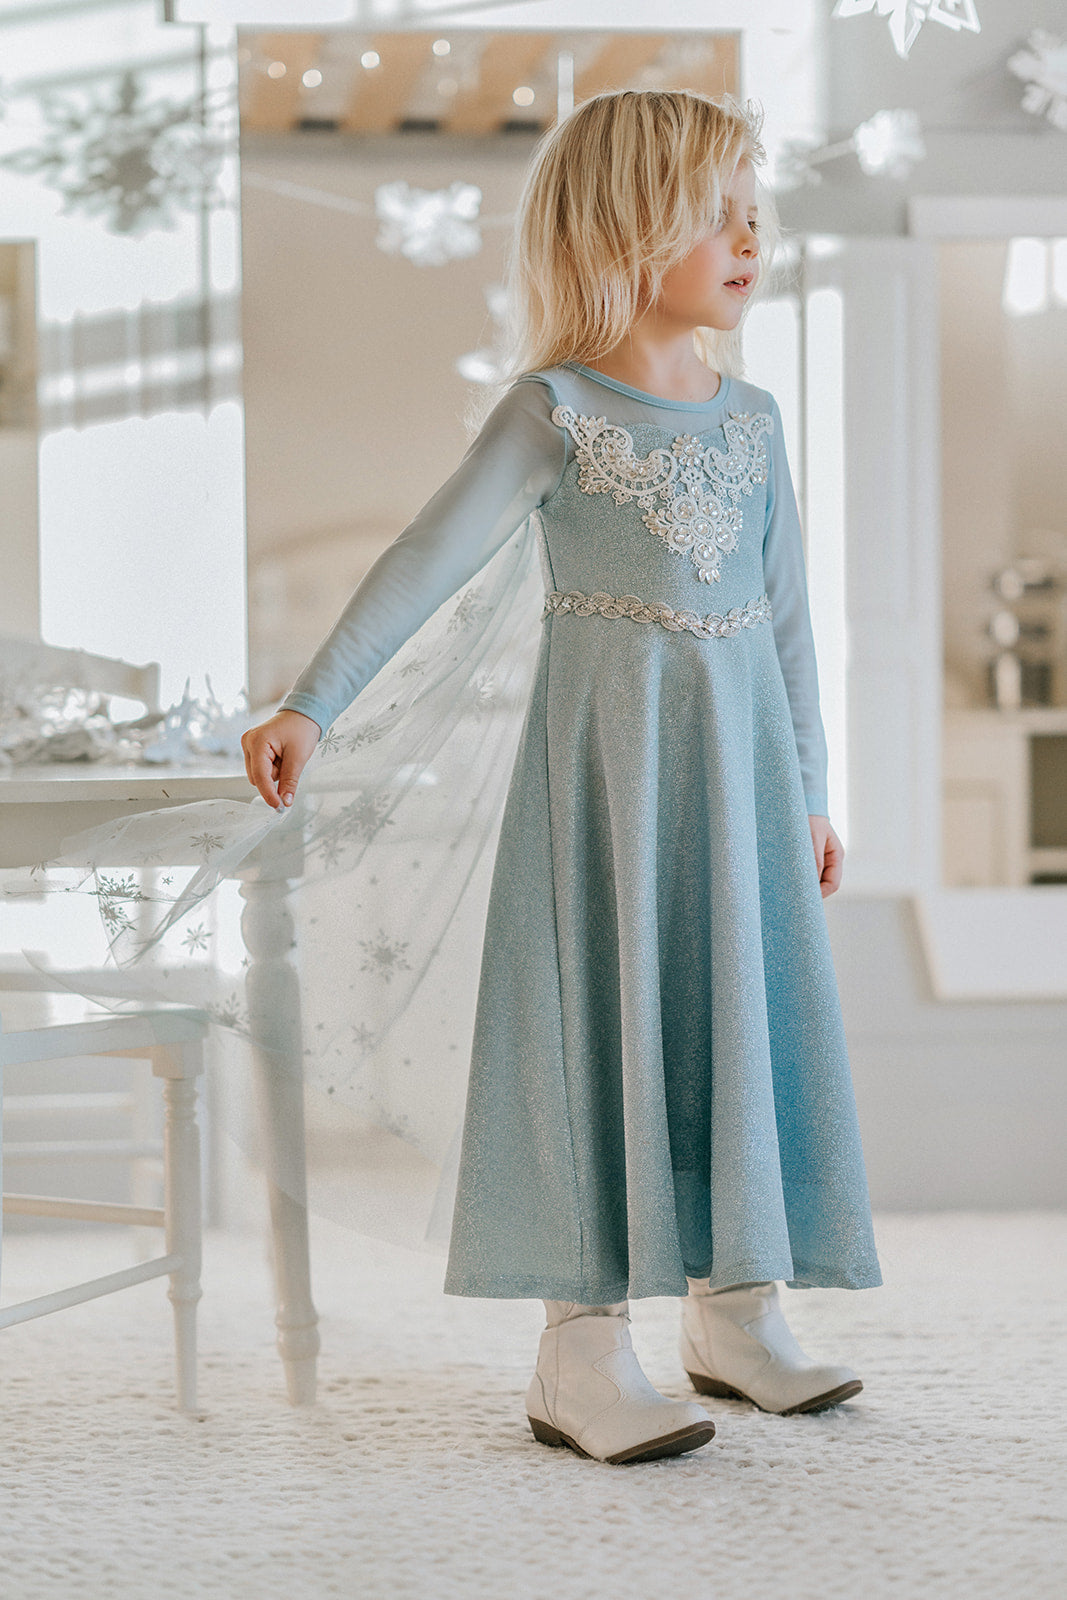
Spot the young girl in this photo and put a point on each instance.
(659, 1100)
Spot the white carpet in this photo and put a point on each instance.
(416, 1475)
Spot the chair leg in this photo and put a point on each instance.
(179, 1069)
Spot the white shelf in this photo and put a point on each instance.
(986, 800)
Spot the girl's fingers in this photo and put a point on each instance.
(291, 768)
(833, 864)
(261, 762)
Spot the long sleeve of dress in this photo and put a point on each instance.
(512, 466)
(787, 589)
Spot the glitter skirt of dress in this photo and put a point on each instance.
(660, 1084)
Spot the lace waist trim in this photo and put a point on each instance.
(712, 626)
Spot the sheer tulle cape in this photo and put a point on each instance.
(387, 854)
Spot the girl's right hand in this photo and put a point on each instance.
(276, 753)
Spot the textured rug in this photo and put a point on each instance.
(416, 1474)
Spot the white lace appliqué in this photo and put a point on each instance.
(698, 487)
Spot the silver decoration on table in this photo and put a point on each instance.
(43, 725)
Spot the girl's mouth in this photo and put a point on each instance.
(742, 283)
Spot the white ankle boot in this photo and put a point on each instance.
(589, 1392)
(736, 1343)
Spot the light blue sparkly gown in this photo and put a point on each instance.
(659, 1080)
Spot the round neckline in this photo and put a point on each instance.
(654, 399)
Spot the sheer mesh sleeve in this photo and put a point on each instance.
(786, 582)
(510, 469)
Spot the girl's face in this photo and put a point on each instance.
(708, 287)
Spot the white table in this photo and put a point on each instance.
(41, 806)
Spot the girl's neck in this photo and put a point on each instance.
(667, 367)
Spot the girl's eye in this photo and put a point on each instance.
(753, 224)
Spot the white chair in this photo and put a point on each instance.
(27, 664)
(172, 1042)
(26, 667)
(273, 987)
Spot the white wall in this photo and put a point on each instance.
(141, 521)
(978, 140)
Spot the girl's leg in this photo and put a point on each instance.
(589, 1392)
(736, 1342)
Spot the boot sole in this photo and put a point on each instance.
(818, 1402)
(671, 1444)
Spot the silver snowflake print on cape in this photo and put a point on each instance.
(196, 938)
(384, 956)
(690, 494)
(362, 818)
(370, 733)
(113, 895)
(229, 1013)
(469, 608)
(906, 17)
(483, 694)
(207, 844)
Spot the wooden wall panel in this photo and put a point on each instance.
(380, 96)
(508, 60)
(273, 104)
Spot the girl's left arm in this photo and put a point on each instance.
(787, 589)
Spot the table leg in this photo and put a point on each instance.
(273, 991)
(180, 1066)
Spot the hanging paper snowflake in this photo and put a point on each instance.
(1043, 68)
(488, 364)
(134, 163)
(429, 226)
(889, 144)
(906, 17)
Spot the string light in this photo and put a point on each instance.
(370, 59)
(524, 95)
(312, 78)
(276, 69)
(441, 47)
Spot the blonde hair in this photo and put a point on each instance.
(618, 193)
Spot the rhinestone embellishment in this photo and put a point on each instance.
(698, 487)
(628, 605)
